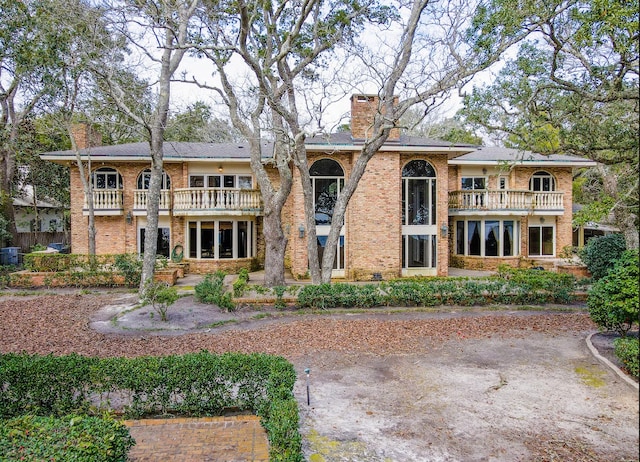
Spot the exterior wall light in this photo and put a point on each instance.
(444, 230)
(129, 218)
(301, 231)
(220, 168)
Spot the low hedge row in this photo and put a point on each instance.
(69, 438)
(509, 286)
(195, 384)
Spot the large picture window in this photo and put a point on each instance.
(487, 238)
(221, 239)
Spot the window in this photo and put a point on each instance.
(474, 182)
(541, 241)
(106, 178)
(163, 244)
(419, 230)
(542, 181)
(418, 193)
(221, 181)
(487, 238)
(327, 180)
(144, 180)
(221, 239)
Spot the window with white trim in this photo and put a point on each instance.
(106, 178)
(221, 239)
(541, 241)
(487, 237)
(144, 180)
(474, 182)
(221, 181)
(542, 182)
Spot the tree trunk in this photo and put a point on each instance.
(276, 245)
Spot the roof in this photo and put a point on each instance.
(172, 151)
(27, 201)
(343, 141)
(492, 155)
(459, 154)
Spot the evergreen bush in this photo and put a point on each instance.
(601, 253)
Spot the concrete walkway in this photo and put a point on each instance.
(221, 439)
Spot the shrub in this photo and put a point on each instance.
(70, 438)
(613, 300)
(160, 295)
(130, 266)
(196, 384)
(240, 284)
(626, 349)
(211, 290)
(601, 253)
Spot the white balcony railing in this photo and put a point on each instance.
(140, 200)
(193, 200)
(105, 202)
(507, 199)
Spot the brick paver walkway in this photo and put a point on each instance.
(225, 439)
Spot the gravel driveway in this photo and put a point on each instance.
(417, 386)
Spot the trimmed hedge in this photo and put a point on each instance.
(69, 438)
(198, 384)
(627, 350)
(509, 286)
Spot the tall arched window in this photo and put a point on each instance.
(419, 230)
(144, 179)
(327, 179)
(106, 178)
(542, 181)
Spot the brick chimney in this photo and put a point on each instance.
(86, 136)
(363, 110)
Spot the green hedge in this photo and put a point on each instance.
(509, 286)
(197, 384)
(627, 350)
(69, 438)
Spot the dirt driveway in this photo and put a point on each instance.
(385, 386)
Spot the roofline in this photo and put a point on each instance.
(388, 148)
(95, 158)
(538, 163)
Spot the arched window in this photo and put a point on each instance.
(542, 182)
(418, 193)
(106, 178)
(419, 230)
(327, 179)
(144, 179)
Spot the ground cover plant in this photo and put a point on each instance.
(195, 384)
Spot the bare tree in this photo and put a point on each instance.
(159, 31)
(422, 57)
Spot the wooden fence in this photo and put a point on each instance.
(27, 240)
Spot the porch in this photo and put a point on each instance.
(182, 202)
(506, 201)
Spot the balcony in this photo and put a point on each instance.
(105, 202)
(217, 201)
(140, 202)
(505, 202)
